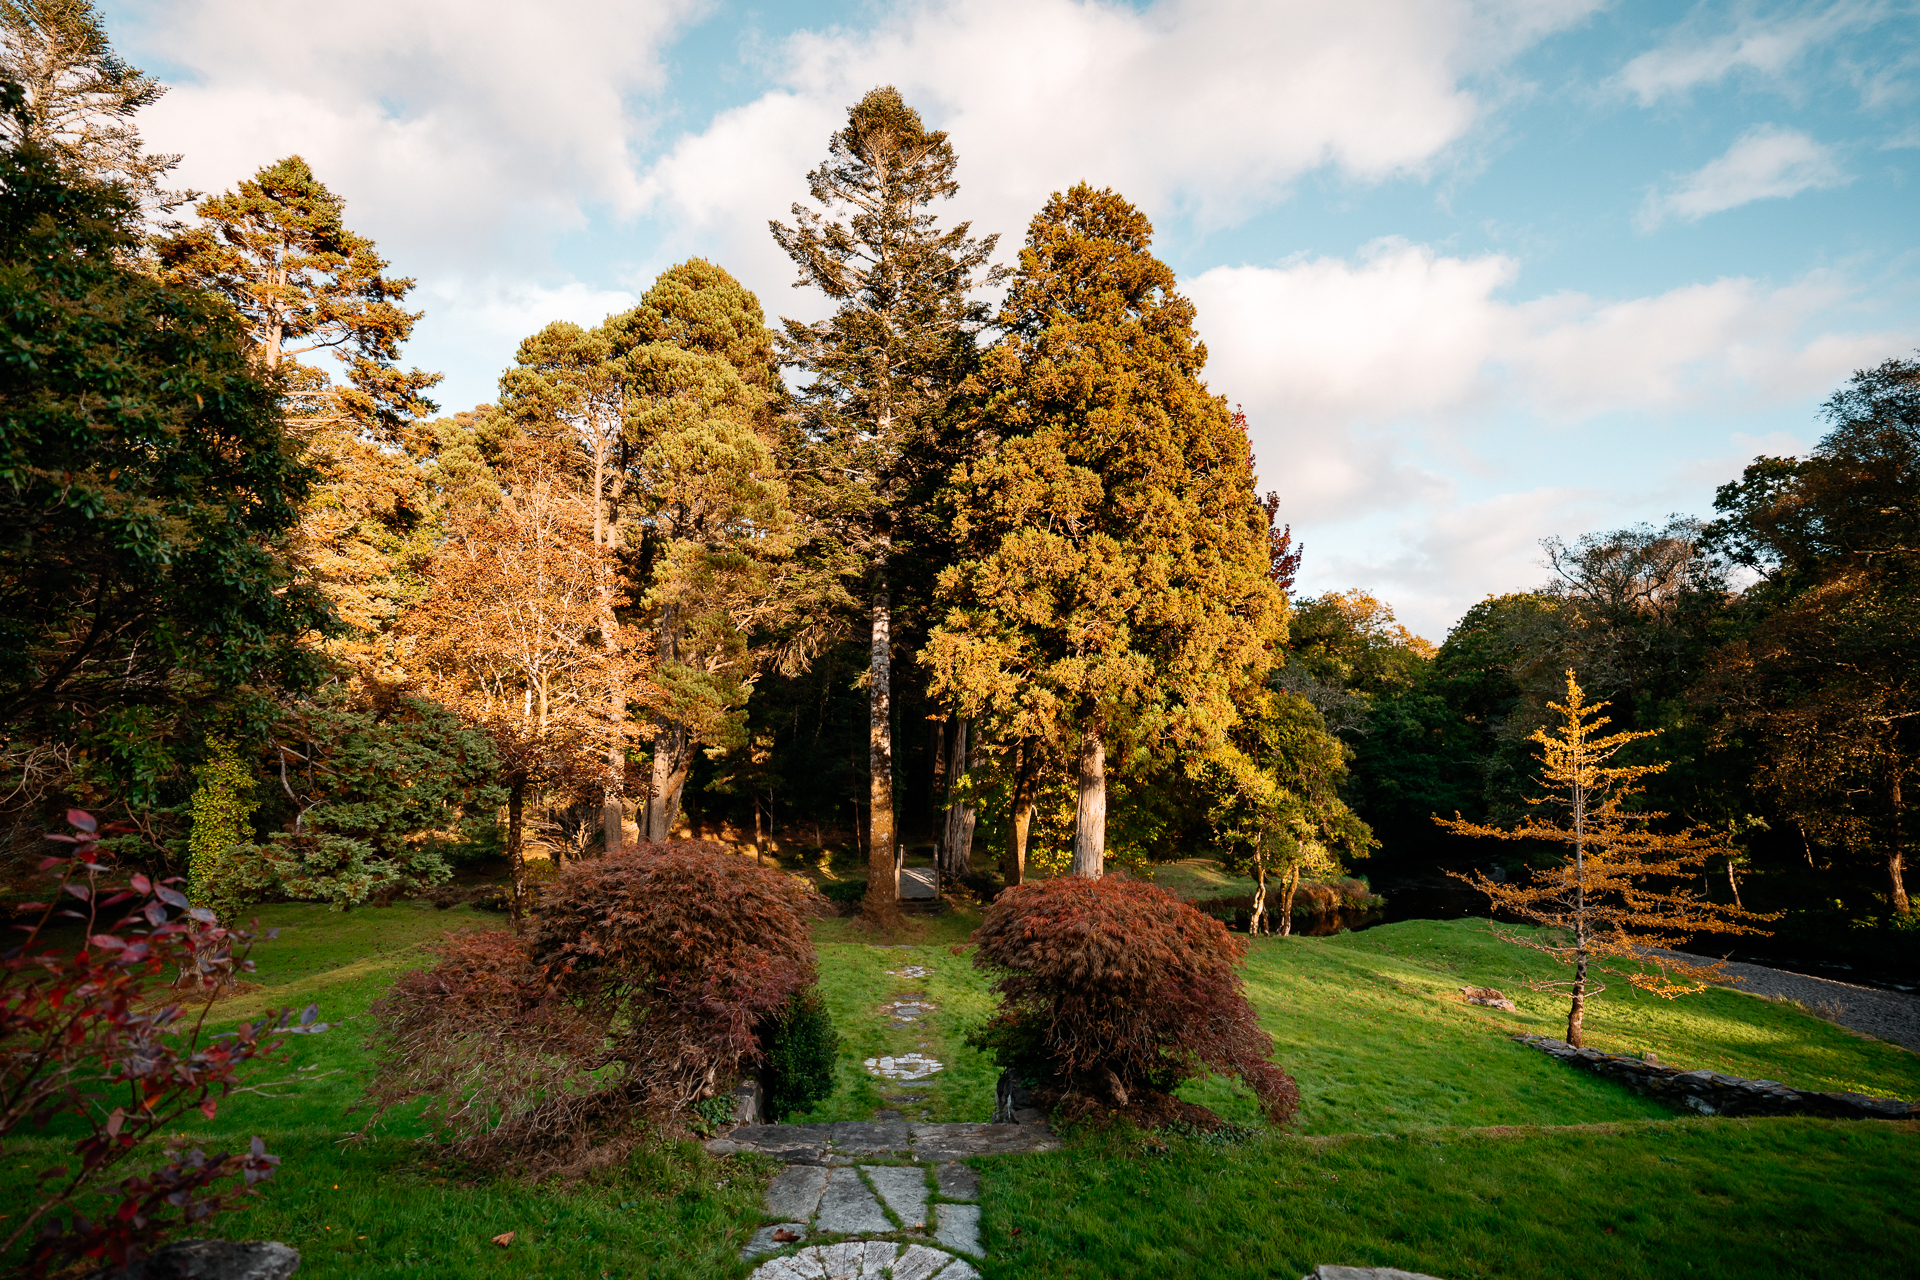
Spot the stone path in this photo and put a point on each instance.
(890, 1209)
(913, 1221)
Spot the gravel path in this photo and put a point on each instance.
(1889, 1015)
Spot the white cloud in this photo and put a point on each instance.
(494, 316)
(1212, 107)
(1764, 163)
(1368, 381)
(453, 126)
(1765, 45)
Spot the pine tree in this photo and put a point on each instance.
(1119, 591)
(710, 510)
(81, 97)
(278, 249)
(1609, 897)
(886, 369)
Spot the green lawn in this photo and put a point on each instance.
(1393, 1161)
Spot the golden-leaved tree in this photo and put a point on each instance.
(1619, 896)
(1117, 590)
(278, 249)
(508, 633)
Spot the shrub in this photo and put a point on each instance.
(635, 993)
(844, 892)
(801, 1046)
(1113, 987)
(89, 1041)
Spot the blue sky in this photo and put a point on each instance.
(1480, 273)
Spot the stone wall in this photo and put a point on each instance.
(1713, 1094)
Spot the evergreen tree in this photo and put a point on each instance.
(710, 510)
(1121, 588)
(886, 369)
(81, 97)
(278, 249)
(147, 486)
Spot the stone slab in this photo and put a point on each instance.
(848, 1208)
(213, 1259)
(1324, 1272)
(940, 1142)
(920, 1263)
(795, 1192)
(957, 1182)
(904, 1189)
(763, 1241)
(959, 1228)
(879, 1259)
(844, 1261)
(959, 1269)
(869, 1137)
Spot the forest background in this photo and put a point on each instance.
(316, 639)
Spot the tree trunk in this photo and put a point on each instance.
(883, 893)
(1897, 857)
(516, 861)
(1259, 916)
(1735, 886)
(1286, 902)
(1090, 815)
(956, 845)
(1577, 1013)
(672, 759)
(1013, 862)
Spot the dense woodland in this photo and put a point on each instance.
(976, 563)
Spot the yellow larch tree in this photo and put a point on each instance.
(1618, 900)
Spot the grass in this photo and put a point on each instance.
(1428, 1139)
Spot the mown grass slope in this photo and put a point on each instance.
(1392, 1163)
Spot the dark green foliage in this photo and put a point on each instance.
(800, 1046)
(844, 891)
(385, 794)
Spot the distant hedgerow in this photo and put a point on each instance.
(1113, 988)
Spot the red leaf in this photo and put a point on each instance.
(82, 819)
(208, 1107)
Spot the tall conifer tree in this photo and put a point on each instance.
(886, 370)
(1119, 591)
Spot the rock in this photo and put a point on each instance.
(1324, 1272)
(904, 1189)
(211, 1260)
(959, 1228)
(1488, 997)
(764, 1240)
(795, 1192)
(866, 1260)
(941, 1142)
(848, 1208)
(749, 1102)
(958, 1182)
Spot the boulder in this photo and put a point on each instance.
(211, 1260)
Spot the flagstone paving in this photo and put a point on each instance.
(917, 1221)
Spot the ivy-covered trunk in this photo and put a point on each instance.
(956, 845)
(883, 892)
(1013, 860)
(516, 858)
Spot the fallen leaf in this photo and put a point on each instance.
(784, 1236)
(504, 1239)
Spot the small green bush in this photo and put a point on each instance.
(801, 1047)
(844, 891)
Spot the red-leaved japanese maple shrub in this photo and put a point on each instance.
(636, 992)
(90, 1033)
(1113, 989)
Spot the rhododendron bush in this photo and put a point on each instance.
(639, 989)
(1114, 989)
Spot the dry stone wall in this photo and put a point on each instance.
(1713, 1094)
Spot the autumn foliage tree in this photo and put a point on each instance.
(1617, 894)
(1118, 586)
(642, 988)
(1116, 989)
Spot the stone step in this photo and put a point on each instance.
(847, 1141)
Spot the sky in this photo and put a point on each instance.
(1480, 273)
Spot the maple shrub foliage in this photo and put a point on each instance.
(88, 1037)
(644, 983)
(1113, 987)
